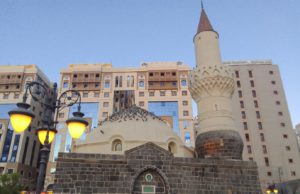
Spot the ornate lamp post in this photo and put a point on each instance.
(272, 189)
(21, 118)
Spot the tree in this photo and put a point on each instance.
(10, 184)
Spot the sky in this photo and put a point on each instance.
(55, 33)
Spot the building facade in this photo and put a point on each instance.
(160, 87)
(20, 152)
(263, 119)
(297, 130)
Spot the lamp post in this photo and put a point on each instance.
(21, 118)
(271, 189)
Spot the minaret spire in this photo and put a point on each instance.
(202, 7)
(211, 86)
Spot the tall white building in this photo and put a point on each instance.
(263, 119)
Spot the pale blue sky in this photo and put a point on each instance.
(56, 33)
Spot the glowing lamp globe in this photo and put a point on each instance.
(76, 125)
(275, 191)
(42, 134)
(21, 117)
(268, 191)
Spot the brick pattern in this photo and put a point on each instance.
(100, 173)
(224, 144)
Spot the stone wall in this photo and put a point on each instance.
(100, 173)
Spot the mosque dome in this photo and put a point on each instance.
(130, 128)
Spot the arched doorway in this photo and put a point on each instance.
(150, 180)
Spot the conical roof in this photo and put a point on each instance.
(204, 23)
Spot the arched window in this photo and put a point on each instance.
(172, 147)
(117, 145)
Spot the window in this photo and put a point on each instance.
(85, 94)
(174, 93)
(275, 92)
(184, 103)
(238, 83)
(85, 85)
(162, 74)
(96, 94)
(141, 84)
(162, 93)
(65, 85)
(291, 160)
(162, 84)
(293, 173)
(96, 85)
(271, 72)
(273, 82)
(174, 83)
(287, 148)
(250, 158)
(86, 75)
(269, 173)
(285, 136)
(187, 137)
(107, 84)
(254, 93)
(106, 94)
(257, 114)
(74, 86)
(242, 104)
(185, 124)
(18, 86)
(249, 149)
(172, 147)
(237, 75)
(250, 73)
(247, 137)
(117, 145)
(262, 137)
(240, 93)
(260, 125)
(185, 113)
(141, 94)
(105, 114)
(264, 148)
(25, 150)
(141, 103)
(280, 113)
(105, 104)
(151, 74)
(243, 115)
(16, 95)
(10, 171)
(173, 73)
(6, 87)
(252, 83)
(277, 102)
(184, 93)
(255, 103)
(5, 96)
(61, 115)
(245, 125)
(151, 93)
(267, 161)
(282, 124)
(183, 82)
(97, 75)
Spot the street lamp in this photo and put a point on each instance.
(272, 189)
(22, 116)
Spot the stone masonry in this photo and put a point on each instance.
(102, 173)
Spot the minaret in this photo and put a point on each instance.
(211, 85)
